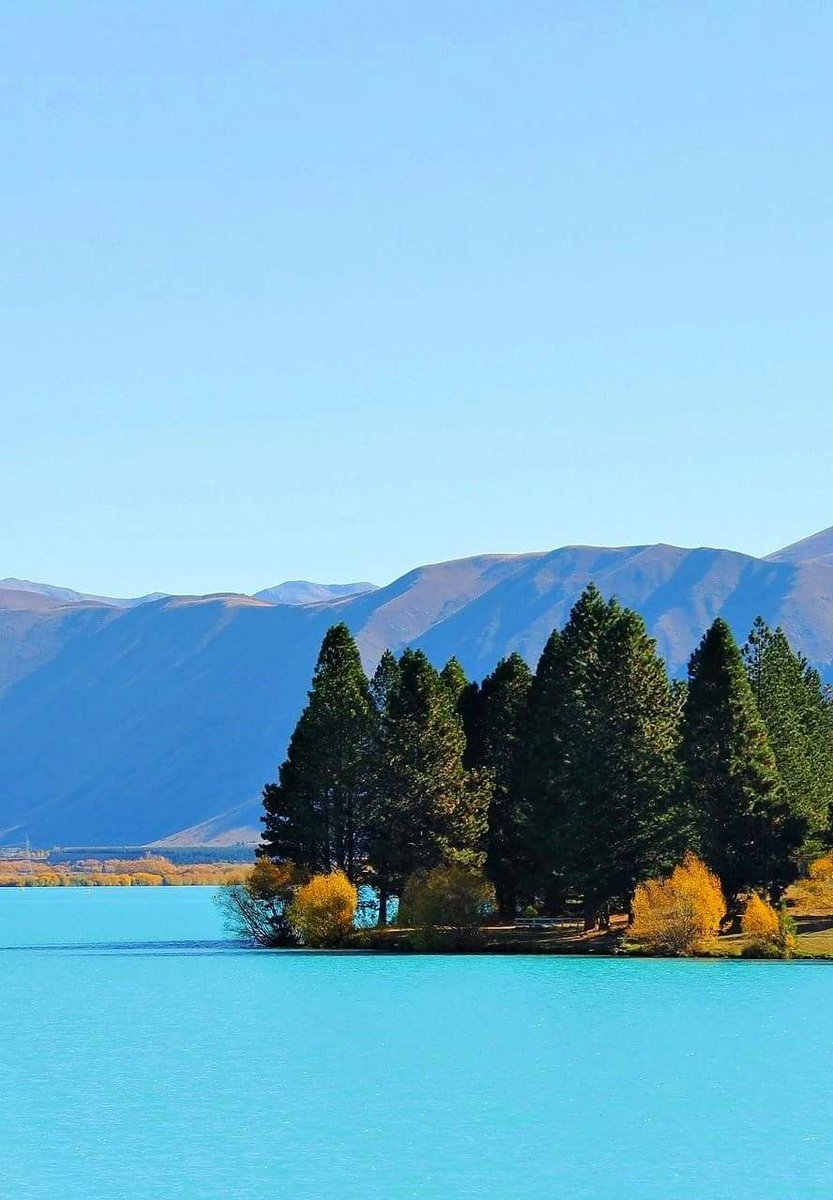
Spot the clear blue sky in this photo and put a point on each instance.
(328, 290)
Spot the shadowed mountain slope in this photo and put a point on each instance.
(133, 725)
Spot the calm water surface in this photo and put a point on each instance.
(142, 1056)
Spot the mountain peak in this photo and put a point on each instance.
(301, 591)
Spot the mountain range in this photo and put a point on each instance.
(158, 719)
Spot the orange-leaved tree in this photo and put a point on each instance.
(680, 914)
(323, 910)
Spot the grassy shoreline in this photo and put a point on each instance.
(814, 941)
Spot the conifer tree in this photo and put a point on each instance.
(623, 817)
(381, 828)
(455, 679)
(497, 726)
(540, 777)
(319, 807)
(427, 808)
(798, 716)
(746, 832)
(384, 682)
(559, 744)
(293, 828)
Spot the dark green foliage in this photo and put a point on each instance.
(746, 831)
(578, 782)
(455, 679)
(317, 814)
(601, 774)
(540, 781)
(798, 716)
(384, 682)
(622, 822)
(427, 808)
(494, 715)
(573, 754)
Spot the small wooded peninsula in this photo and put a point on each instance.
(595, 803)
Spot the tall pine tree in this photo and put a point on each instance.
(746, 831)
(558, 745)
(495, 718)
(427, 808)
(798, 716)
(317, 814)
(621, 770)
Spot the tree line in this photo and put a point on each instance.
(577, 781)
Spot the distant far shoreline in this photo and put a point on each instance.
(124, 867)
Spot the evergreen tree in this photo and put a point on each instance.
(558, 746)
(319, 809)
(381, 829)
(384, 682)
(293, 829)
(621, 764)
(798, 716)
(455, 679)
(539, 780)
(427, 808)
(497, 712)
(746, 832)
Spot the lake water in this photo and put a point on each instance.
(141, 1056)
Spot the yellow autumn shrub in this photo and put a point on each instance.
(323, 910)
(680, 914)
(769, 933)
(821, 868)
(814, 893)
(760, 920)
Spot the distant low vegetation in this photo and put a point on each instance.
(150, 871)
(596, 781)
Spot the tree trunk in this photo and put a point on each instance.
(507, 905)
(555, 898)
(382, 919)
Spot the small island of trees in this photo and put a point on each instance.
(596, 781)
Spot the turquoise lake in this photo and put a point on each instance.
(141, 1055)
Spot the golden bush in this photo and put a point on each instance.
(680, 914)
(769, 933)
(814, 894)
(822, 868)
(760, 920)
(323, 910)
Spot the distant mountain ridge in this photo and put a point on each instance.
(301, 591)
(811, 549)
(296, 591)
(62, 595)
(162, 720)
